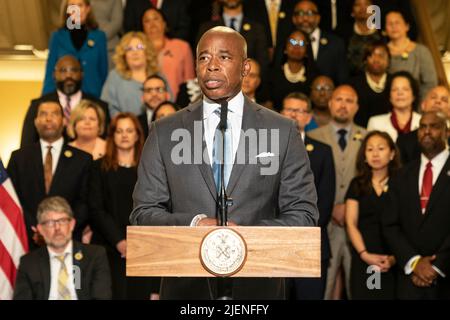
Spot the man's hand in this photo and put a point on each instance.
(418, 282)
(424, 270)
(338, 215)
(121, 246)
(37, 237)
(210, 222)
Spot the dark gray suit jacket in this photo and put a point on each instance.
(33, 277)
(171, 194)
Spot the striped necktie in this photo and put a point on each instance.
(63, 279)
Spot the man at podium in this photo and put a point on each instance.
(266, 169)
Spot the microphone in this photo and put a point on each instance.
(223, 115)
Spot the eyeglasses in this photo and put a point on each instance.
(295, 111)
(157, 90)
(295, 42)
(52, 223)
(138, 47)
(67, 70)
(322, 88)
(308, 13)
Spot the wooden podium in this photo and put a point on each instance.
(271, 251)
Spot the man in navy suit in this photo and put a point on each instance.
(297, 106)
(49, 167)
(416, 222)
(328, 50)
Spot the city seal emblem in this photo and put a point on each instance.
(223, 252)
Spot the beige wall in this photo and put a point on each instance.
(20, 82)
(16, 97)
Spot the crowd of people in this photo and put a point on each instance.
(367, 106)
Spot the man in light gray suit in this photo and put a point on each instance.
(270, 181)
(344, 137)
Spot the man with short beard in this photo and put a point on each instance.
(437, 99)
(344, 137)
(63, 269)
(49, 167)
(416, 220)
(68, 76)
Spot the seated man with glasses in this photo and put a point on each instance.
(154, 92)
(63, 269)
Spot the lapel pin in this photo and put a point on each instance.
(91, 43)
(68, 154)
(357, 136)
(78, 256)
(324, 41)
(448, 173)
(282, 15)
(309, 147)
(246, 26)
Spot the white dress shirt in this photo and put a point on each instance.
(211, 120)
(55, 266)
(74, 99)
(237, 20)
(56, 151)
(315, 44)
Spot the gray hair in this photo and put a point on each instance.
(302, 97)
(57, 204)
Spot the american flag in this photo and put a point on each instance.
(13, 237)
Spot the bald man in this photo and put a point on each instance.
(67, 76)
(344, 137)
(437, 99)
(282, 195)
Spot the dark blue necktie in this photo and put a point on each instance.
(342, 141)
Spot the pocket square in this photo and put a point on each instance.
(265, 155)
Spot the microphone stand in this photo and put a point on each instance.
(224, 285)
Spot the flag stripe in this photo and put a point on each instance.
(10, 240)
(14, 214)
(7, 265)
(6, 290)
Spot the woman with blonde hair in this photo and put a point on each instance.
(135, 60)
(86, 125)
(80, 37)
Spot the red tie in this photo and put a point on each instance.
(427, 185)
(154, 3)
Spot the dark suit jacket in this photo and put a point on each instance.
(33, 277)
(322, 166)
(256, 10)
(144, 123)
(29, 132)
(332, 59)
(70, 181)
(409, 232)
(175, 11)
(285, 196)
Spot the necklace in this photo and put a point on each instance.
(125, 165)
(294, 77)
(404, 52)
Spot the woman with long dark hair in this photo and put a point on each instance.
(110, 201)
(377, 161)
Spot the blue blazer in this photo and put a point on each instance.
(93, 57)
